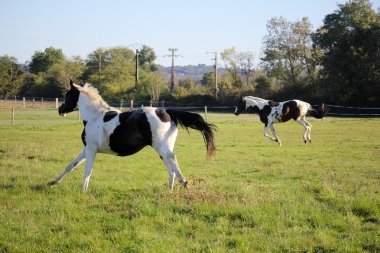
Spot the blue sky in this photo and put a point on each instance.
(193, 27)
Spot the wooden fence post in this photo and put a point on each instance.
(323, 106)
(13, 115)
(23, 102)
(131, 104)
(56, 103)
(206, 113)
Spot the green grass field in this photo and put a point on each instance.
(254, 196)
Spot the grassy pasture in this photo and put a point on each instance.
(254, 196)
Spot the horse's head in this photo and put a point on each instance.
(241, 106)
(71, 100)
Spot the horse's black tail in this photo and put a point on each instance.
(196, 122)
(320, 112)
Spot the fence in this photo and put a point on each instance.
(350, 111)
(8, 108)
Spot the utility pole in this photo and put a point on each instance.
(216, 73)
(137, 46)
(137, 69)
(100, 65)
(172, 55)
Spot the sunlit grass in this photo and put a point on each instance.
(253, 197)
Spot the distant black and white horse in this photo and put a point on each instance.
(108, 130)
(271, 112)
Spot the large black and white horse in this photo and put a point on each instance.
(271, 112)
(108, 130)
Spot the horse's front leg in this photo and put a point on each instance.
(266, 135)
(90, 160)
(81, 158)
(275, 134)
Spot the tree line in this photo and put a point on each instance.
(338, 63)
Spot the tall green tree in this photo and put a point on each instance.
(350, 42)
(246, 61)
(288, 52)
(156, 86)
(55, 81)
(208, 82)
(116, 73)
(11, 76)
(57, 78)
(263, 87)
(231, 75)
(187, 86)
(42, 61)
(147, 56)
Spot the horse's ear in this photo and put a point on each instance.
(73, 85)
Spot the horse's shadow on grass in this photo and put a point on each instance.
(7, 186)
(35, 188)
(38, 187)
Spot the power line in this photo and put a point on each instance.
(57, 41)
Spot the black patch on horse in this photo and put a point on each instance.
(132, 135)
(163, 115)
(290, 110)
(263, 113)
(84, 132)
(109, 115)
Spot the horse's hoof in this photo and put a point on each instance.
(186, 185)
(51, 183)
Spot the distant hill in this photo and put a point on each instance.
(191, 70)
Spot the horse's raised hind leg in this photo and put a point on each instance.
(80, 159)
(269, 137)
(275, 134)
(309, 132)
(306, 133)
(171, 163)
(170, 159)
